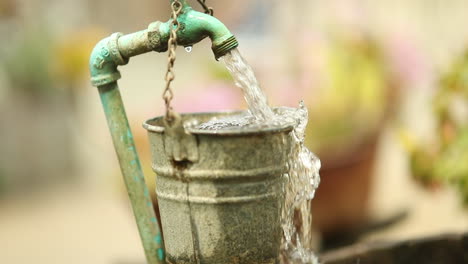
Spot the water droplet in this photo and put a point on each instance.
(188, 49)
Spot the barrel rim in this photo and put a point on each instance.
(228, 132)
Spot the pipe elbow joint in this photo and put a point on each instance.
(104, 60)
(117, 49)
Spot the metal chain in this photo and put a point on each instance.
(168, 94)
(208, 10)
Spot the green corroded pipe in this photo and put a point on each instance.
(133, 175)
(116, 50)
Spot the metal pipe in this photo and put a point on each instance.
(132, 173)
(117, 49)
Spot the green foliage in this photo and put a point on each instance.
(452, 164)
(446, 159)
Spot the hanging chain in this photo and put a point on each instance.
(168, 94)
(208, 10)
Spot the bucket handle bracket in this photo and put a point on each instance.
(179, 145)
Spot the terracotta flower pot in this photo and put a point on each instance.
(341, 201)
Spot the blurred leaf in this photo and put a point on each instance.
(452, 165)
(447, 162)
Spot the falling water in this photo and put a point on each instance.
(244, 78)
(302, 180)
(303, 166)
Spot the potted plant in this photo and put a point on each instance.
(444, 159)
(347, 110)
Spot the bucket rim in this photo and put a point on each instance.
(151, 127)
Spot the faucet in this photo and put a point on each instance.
(116, 50)
(195, 26)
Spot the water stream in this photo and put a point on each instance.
(244, 78)
(303, 166)
(302, 180)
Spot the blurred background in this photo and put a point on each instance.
(386, 84)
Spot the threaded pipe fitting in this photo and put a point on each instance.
(223, 48)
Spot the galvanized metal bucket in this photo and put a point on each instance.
(219, 192)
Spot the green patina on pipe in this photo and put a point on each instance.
(116, 50)
(131, 169)
(195, 26)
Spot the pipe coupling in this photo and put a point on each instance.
(114, 50)
(157, 41)
(117, 49)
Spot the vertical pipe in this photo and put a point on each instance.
(133, 175)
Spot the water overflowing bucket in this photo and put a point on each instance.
(219, 191)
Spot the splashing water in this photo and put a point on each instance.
(303, 179)
(303, 166)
